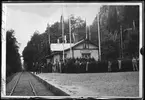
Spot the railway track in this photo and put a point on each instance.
(33, 90)
(12, 91)
(25, 84)
(16, 84)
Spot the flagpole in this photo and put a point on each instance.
(62, 33)
(49, 38)
(99, 38)
(86, 29)
(121, 41)
(70, 36)
(89, 36)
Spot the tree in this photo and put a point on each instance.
(77, 28)
(37, 48)
(13, 61)
(110, 20)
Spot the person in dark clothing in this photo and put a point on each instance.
(109, 65)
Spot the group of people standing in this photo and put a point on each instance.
(134, 64)
(79, 64)
(63, 66)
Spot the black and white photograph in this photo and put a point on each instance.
(72, 50)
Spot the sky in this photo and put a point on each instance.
(26, 18)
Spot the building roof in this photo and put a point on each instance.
(59, 46)
(82, 42)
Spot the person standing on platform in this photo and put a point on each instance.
(53, 67)
(60, 66)
(87, 65)
(134, 64)
(109, 65)
(119, 64)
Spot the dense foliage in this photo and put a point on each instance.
(36, 49)
(13, 61)
(113, 21)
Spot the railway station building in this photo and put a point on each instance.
(81, 49)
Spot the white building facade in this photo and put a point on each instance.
(82, 49)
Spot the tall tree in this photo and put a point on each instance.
(13, 60)
(36, 49)
(111, 18)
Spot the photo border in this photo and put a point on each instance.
(141, 43)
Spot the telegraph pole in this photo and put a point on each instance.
(86, 29)
(89, 33)
(62, 32)
(99, 38)
(121, 45)
(70, 36)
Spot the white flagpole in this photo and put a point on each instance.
(99, 38)
(86, 29)
(89, 36)
(70, 36)
(63, 33)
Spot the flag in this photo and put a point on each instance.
(74, 37)
(70, 28)
(62, 30)
(61, 26)
(86, 29)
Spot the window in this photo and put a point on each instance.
(86, 55)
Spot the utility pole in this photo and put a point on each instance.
(70, 36)
(62, 32)
(47, 37)
(86, 30)
(89, 33)
(121, 44)
(99, 38)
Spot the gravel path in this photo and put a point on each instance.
(106, 84)
(23, 87)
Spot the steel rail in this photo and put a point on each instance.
(12, 91)
(33, 90)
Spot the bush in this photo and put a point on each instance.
(127, 65)
(115, 66)
(102, 66)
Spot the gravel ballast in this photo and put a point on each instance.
(124, 84)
